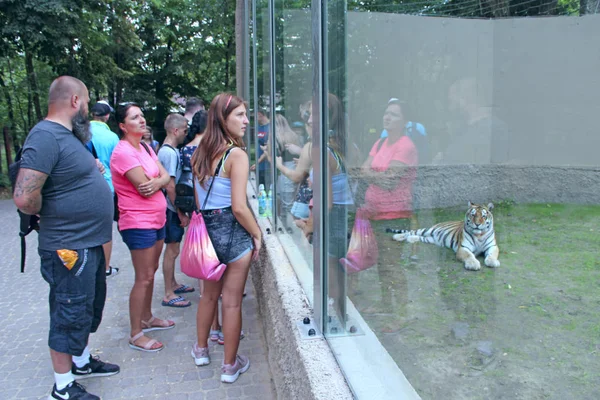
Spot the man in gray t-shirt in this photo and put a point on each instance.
(168, 155)
(60, 180)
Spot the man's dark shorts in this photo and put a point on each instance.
(174, 232)
(77, 298)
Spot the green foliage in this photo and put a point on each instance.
(123, 50)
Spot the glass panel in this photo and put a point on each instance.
(424, 115)
(293, 66)
(261, 112)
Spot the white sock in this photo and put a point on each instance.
(83, 359)
(63, 380)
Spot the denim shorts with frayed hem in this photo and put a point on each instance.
(230, 240)
(139, 239)
(77, 298)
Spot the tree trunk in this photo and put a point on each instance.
(9, 105)
(33, 86)
(14, 89)
(227, 66)
(582, 7)
(240, 49)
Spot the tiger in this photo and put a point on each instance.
(469, 238)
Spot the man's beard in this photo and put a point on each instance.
(81, 127)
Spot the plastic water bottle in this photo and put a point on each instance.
(269, 203)
(262, 201)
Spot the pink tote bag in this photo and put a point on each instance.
(198, 256)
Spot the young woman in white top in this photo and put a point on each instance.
(230, 225)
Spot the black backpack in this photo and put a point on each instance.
(184, 191)
(28, 223)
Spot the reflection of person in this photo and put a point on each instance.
(285, 138)
(168, 155)
(390, 168)
(264, 175)
(148, 138)
(220, 177)
(138, 177)
(75, 208)
(480, 138)
(104, 142)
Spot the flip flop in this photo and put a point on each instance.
(173, 302)
(184, 289)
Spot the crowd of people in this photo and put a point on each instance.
(79, 177)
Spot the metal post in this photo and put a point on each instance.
(319, 160)
(273, 91)
(255, 90)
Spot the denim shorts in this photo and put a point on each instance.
(300, 210)
(77, 298)
(138, 239)
(173, 229)
(230, 240)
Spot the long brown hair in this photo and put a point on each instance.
(216, 138)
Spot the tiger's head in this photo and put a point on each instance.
(479, 219)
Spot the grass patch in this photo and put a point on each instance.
(538, 310)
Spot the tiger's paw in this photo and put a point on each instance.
(472, 264)
(399, 237)
(413, 239)
(492, 262)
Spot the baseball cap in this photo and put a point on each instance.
(101, 108)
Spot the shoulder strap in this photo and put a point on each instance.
(380, 145)
(93, 149)
(145, 146)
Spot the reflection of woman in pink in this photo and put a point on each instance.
(391, 166)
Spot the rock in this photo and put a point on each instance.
(486, 348)
(460, 330)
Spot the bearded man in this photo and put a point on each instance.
(59, 180)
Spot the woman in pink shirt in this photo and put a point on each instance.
(391, 164)
(138, 177)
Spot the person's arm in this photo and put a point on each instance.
(153, 185)
(28, 190)
(298, 174)
(239, 171)
(170, 189)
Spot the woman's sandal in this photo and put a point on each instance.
(147, 347)
(148, 327)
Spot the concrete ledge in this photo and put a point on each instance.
(450, 185)
(301, 369)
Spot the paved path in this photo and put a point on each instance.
(25, 367)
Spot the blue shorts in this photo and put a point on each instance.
(300, 210)
(174, 230)
(76, 299)
(138, 239)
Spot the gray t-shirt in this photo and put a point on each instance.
(77, 205)
(169, 158)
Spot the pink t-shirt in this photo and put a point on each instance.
(136, 211)
(395, 203)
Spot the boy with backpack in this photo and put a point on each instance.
(176, 127)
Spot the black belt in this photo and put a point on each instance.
(225, 210)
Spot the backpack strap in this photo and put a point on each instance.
(145, 146)
(380, 145)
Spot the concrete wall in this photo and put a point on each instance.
(302, 369)
(522, 91)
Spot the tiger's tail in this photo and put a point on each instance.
(417, 232)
